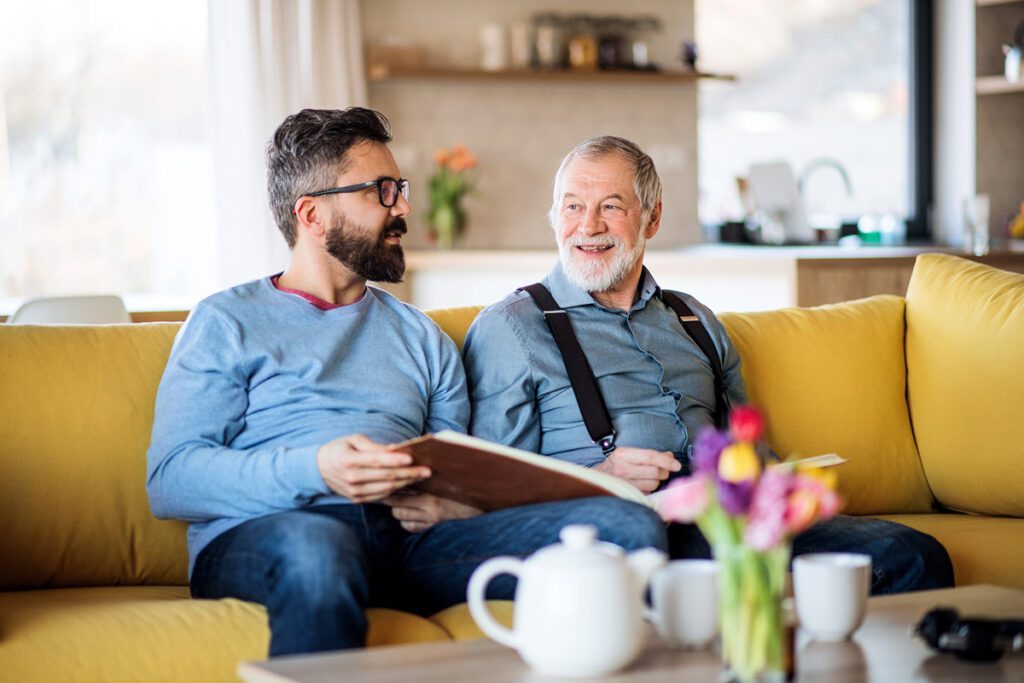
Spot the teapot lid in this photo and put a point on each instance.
(578, 550)
(578, 536)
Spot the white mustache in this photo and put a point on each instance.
(581, 241)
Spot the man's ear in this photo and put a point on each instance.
(308, 217)
(654, 223)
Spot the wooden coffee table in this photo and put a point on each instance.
(881, 650)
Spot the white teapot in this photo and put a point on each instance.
(579, 607)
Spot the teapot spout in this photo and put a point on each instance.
(643, 563)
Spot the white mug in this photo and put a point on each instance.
(831, 591)
(684, 598)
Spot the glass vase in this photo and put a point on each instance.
(751, 586)
(446, 223)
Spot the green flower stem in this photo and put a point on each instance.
(751, 586)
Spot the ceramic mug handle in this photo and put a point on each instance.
(477, 602)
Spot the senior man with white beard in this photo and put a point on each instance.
(657, 381)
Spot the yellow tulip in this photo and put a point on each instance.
(739, 462)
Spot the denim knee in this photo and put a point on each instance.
(916, 562)
(320, 561)
(621, 522)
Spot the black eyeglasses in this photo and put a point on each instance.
(387, 190)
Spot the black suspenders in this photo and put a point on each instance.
(584, 385)
(693, 326)
(581, 376)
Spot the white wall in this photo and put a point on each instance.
(954, 116)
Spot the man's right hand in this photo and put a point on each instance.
(363, 470)
(642, 467)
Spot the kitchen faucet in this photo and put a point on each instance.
(827, 162)
(824, 162)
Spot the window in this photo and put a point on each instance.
(821, 84)
(106, 172)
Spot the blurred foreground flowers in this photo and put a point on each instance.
(749, 513)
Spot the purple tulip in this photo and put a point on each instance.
(735, 498)
(707, 448)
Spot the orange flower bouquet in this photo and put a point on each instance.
(449, 183)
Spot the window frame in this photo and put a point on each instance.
(921, 119)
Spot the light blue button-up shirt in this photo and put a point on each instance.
(657, 383)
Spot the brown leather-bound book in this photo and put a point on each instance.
(490, 476)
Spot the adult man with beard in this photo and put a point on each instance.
(655, 380)
(279, 398)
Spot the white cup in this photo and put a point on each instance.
(831, 591)
(494, 44)
(684, 595)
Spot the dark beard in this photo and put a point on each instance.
(374, 260)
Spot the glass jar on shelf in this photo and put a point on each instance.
(645, 45)
(611, 43)
(583, 43)
(548, 40)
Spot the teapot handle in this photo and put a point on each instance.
(477, 602)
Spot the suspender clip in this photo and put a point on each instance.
(607, 443)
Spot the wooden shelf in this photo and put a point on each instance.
(985, 3)
(378, 74)
(995, 85)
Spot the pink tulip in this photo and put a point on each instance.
(766, 524)
(685, 499)
(801, 509)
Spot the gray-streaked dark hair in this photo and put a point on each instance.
(646, 182)
(309, 150)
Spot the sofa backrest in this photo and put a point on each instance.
(832, 380)
(965, 362)
(76, 409)
(76, 412)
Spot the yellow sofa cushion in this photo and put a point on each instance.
(455, 321)
(460, 625)
(153, 633)
(832, 379)
(983, 549)
(965, 365)
(76, 410)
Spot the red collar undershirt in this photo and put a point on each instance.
(315, 300)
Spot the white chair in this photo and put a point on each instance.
(72, 310)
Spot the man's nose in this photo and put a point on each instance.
(591, 223)
(402, 207)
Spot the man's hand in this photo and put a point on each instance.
(419, 511)
(363, 470)
(641, 467)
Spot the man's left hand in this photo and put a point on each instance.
(420, 511)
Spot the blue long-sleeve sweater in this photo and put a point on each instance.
(258, 379)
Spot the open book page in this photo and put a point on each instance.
(823, 460)
(490, 476)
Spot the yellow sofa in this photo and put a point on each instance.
(923, 395)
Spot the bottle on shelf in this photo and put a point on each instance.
(583, 43)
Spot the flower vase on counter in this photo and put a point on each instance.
(450, 182)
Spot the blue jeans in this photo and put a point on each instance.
(902, 559)
(316, 569)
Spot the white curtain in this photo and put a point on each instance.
(269, 59)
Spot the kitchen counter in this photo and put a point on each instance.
(727, 277)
